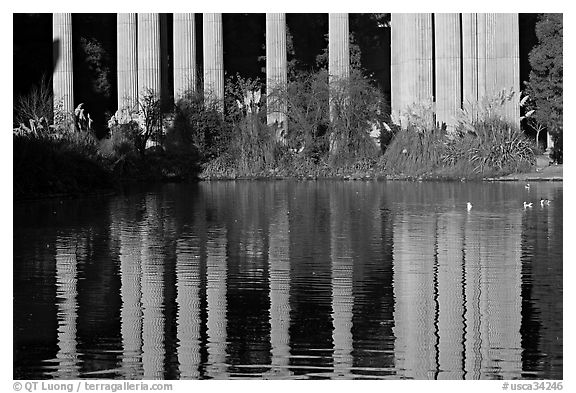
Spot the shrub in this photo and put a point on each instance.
(35, 105)
(198, 126)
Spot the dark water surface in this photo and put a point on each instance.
(291, 280)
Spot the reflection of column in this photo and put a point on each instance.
(184, 54)
(213, 57)
(342, 296)
(152, 294)
(493, 297)
(66, 295)
(216, 271)
(149, 54)
(63, 82)
(448, 75)
(127, 58)
(414, 291)
(279, 260)
(450, 298)
(276, 72)
(503, 297)
(475, 303)
(188, 299)
(130, 292)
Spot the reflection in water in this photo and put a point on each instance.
(188, 299)
(66, 295)
(342, 299)
(279, 270)
(415, 293)
(217, 304)
(152, 292)
(294, 280)
(131, 294)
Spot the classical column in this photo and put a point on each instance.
(276, 73)
(421, 77)
(508, 63)
(63, 81)
(397, 62)
(213, 58)
(412, 62)
(482, 55)
(448, 72)
(149, 65)
(338, 55)
(184, 55)
(469, 63)
(127, 58)
(491, 77)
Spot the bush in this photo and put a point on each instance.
(198, 127)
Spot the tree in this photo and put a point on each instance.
(546, 78)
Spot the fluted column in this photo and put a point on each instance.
(412, 62)
(127, 58)
(492, 38)
(184, 54)
(213, 57)
(276, 73)
(448, 72)
(63, 81)
(421, 77)
(508, 63)
(397, 63)
(469, 62)
(338, 46)
(149, 65)
(338, 55)
(481, 47)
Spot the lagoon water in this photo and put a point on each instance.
(288, 279)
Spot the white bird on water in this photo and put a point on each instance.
(527, 204)
(468, 206)
(527, 186)
(544, 202)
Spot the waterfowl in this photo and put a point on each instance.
(527, 186)
(468, 206)
(527, 204)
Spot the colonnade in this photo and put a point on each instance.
(454, 61)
